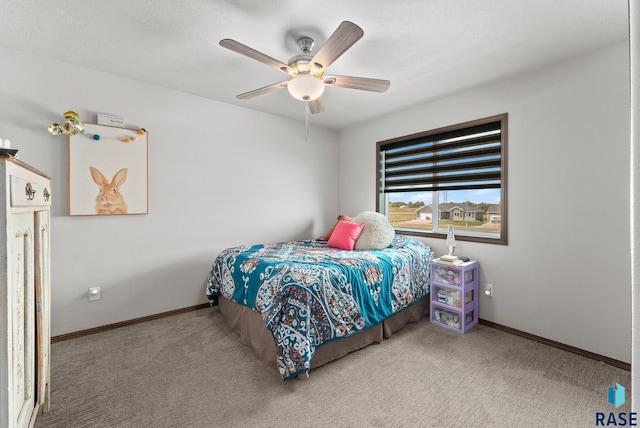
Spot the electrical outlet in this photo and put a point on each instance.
(488, 290)
(94, 294)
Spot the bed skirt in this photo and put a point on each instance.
(249, 325)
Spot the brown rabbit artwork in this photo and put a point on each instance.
(109, 199)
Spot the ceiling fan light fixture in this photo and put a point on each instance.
(305, 87)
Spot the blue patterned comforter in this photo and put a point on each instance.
(310, 294)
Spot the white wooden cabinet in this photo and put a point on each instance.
(25, 283)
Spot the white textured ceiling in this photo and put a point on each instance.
(426, 48)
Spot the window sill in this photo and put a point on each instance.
(476, 237)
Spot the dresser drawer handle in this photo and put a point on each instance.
(47, 195)
(30, 192)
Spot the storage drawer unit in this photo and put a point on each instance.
(454, 295)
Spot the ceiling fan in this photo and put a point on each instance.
(307, 71)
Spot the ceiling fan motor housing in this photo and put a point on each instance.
(299, 64)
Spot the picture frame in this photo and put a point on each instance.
(108, 171)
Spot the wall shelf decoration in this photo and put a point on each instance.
(108, 176)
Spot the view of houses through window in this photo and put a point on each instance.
(470, 211)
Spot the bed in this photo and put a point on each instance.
(318, 303)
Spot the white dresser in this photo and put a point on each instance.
(25, 283)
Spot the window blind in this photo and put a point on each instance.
(455, 159)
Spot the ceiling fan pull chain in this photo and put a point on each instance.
(306, 122)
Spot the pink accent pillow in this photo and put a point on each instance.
(345, 235)
(327, 235)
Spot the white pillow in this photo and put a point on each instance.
(377, 233)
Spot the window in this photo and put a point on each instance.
(455, 175)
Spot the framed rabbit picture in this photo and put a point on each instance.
(108, 169)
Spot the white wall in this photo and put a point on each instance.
(564, 276)
(219, 176)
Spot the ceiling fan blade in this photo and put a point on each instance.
(254, 54)
(362, 83)
(342, 39)
(263, 90)
(316, 106)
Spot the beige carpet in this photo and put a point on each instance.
(190, 370)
